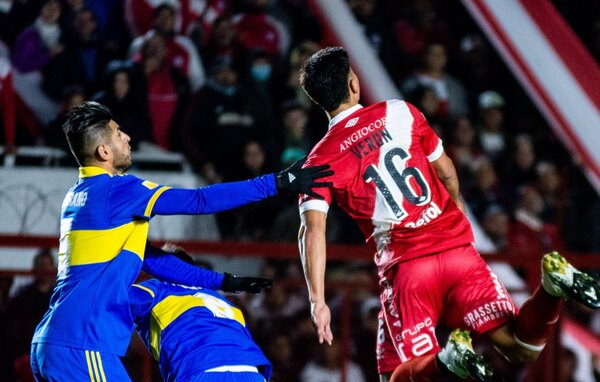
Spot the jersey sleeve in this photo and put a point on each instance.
(432, 144)
(168, 267)
(130, 196)
(307, 202)
(215, 198)
(141, 299)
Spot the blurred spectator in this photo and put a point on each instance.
(280, 352)
(462, 147)
(251, 222)
(27, 308)
(166, 91)
(222, 43)
(529, 233)
(367, 15)
(418, 27)
(53, 134)
(83, 60)
(295, 136)
(549, 185)
(261, 83)
(218, 123)
(496, 225)
(426, 100)
(520, 169)
(298, 55)
(20, 14)
(366, 338)
(123, 95)
(491, 135)
(479, 67)
(432, 73)
(256, 30)
(293, 92)
(199, 19)
(180, 51)
(485, 189)
(6, 359)
(19, 124)
(139, 15)
(32, 52)
(326, 365)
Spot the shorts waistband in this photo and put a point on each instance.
(233, 368)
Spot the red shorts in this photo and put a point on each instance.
(455, 288)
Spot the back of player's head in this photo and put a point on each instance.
(324, 77)
(85, 127)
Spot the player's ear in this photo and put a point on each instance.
(103, 152)
(353, 85)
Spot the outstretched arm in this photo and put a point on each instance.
(227, 196)
(311, 240)
(176, 266)
(445, 170)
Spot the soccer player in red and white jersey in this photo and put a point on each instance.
(394, 179)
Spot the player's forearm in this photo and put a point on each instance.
(215, 198)
(313, 255)
(167, 267)
(451, 184)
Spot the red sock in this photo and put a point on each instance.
(420, 369)
(537, 318)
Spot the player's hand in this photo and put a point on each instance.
(321, 317)
(237, 284)
(298, 180)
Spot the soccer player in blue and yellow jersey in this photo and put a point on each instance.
(196, 334)
(103, 235)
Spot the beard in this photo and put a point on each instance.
(122, 162)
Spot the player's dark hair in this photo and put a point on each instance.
(85, 127)
(324, 77)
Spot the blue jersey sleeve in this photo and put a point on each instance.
(167, 267)
(141, 300)
(130, 196)
(215, 198)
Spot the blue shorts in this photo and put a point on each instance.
(64, 364)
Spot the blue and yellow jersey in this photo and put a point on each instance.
(189, 330)
(103, 233)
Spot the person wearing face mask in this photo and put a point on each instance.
(262, 82)
(218, 122)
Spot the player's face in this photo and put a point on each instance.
(121, 149)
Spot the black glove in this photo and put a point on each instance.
(236, 284)
(298, 180)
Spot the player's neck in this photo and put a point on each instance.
(343, 107)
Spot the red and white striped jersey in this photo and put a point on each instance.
(383, 179)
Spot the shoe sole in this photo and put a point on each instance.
(585, 288)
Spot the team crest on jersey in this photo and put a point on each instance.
(352, 122)
(150, 185)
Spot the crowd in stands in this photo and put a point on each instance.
(217, 80)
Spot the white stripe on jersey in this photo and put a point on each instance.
(399, 122)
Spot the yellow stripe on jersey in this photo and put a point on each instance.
(100, 366)
(153, 199)
(89, 365)
(99, 246)
(166, 311)
(150, 291)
